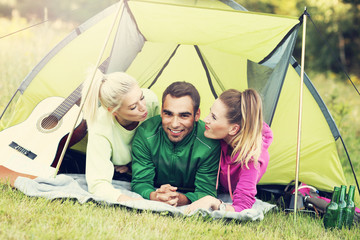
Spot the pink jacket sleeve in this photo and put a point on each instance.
(244, 194)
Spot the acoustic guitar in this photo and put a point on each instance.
(34, 146)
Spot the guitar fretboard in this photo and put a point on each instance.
(65, 106)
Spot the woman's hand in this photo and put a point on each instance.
(121, 168)
(206, 202)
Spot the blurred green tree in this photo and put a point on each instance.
(334, 40)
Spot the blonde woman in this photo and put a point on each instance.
(236, 118)
(111, 126)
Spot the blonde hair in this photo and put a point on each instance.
(108, 89)
(245, 109)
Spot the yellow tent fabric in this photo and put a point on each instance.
(186, 66)
(246, 34)
(319, 161)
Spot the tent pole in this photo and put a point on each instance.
(87, 90)
(300, 114)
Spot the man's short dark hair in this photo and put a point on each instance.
(181, 89)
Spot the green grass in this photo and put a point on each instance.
(23, 217)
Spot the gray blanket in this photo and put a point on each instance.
(74, 186)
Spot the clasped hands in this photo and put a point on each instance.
(167, 194)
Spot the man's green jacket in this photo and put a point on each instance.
(191, 164)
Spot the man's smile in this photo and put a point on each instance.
(175, 132)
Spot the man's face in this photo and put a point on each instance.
(178, 117)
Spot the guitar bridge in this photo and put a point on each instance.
(23, 150)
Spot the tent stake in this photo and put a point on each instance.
(87, 90)
(300, 115)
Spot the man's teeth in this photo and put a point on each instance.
(175, 131)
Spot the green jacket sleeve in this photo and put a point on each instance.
(205, 179)
(143, 168)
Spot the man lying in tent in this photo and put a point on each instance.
(171, 153)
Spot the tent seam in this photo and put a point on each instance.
(206, 71)
(164, 66)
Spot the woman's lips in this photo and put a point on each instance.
(145, 115)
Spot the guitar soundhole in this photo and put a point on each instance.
(49, 122)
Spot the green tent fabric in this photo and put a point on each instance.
(213, 46)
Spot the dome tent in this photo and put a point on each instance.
(213, 46)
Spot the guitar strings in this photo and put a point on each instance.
(53, 119)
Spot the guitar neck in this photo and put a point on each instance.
(70, 101)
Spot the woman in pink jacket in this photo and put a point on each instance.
(236, 119)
